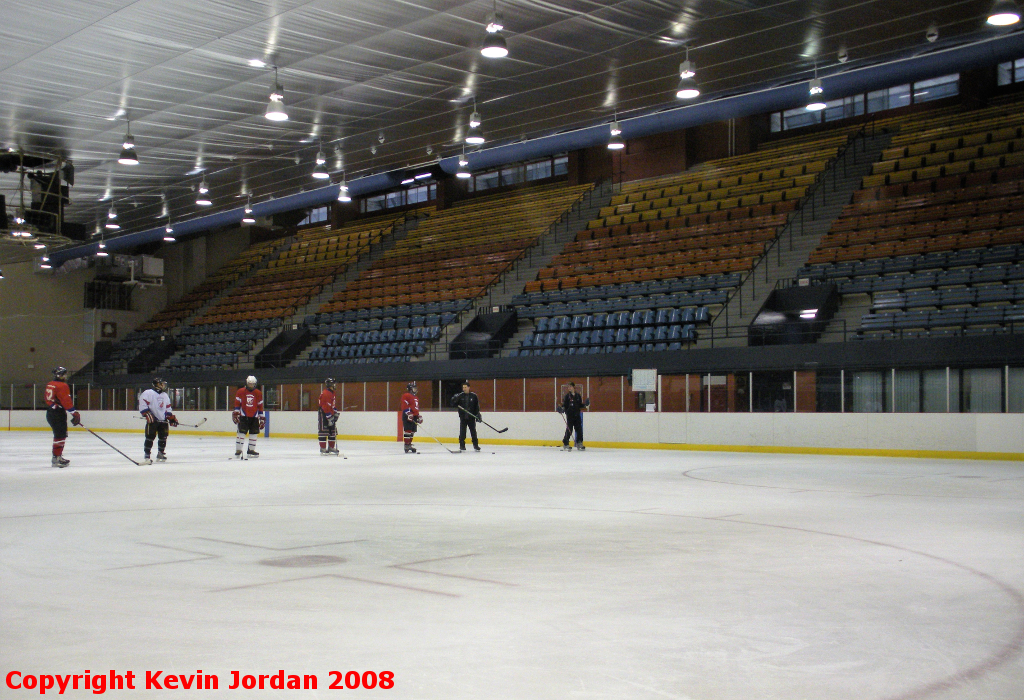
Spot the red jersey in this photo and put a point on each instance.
(327, 402)
(410, 405)
(58, 395)
(249, 403)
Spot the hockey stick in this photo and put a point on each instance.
(114, 448)
(438, 442)
(482, 421)
(183, 425)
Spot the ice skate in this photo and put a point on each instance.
(462, 448)
(59, 462)
(409, 449)
(238, 454)
(580, 447)
(252, 453)
(567, 448)
(333, 451)
(476, 447)
(323, 451)
(145, 460)
(161, 457)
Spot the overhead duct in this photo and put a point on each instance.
(774, 99)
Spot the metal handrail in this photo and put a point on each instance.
(790, 225)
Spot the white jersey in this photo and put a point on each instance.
(157, 402)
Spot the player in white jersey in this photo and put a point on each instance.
(155, 407)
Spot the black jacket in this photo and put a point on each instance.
(572, 404)
(470, 402)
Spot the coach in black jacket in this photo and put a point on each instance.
(468, 406)
(572, 406)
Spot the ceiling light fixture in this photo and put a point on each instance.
(615, 143)
(257, 63)
(275, 108)
(816, 91)
(203, 198)
(475, 135)
(112, 219)
(247, 215)
(343, 195)
(128, 155)
(1004, 13)
(320, 171)
(101, 252)
(494, 45)
(40, 246)
(688, 88)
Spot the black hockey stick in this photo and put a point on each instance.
(114, 448)
(183, 425)
(482, 421)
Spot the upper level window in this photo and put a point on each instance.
(1011, 72)
(315, 216)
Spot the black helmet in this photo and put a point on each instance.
(411, 387)
(159, 384)
(60, 372)
(329, 383)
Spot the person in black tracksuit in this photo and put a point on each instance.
(572, 406)
(468, 406)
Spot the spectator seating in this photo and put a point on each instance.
(619, 331)
(299, 273)
(381, 334)
(715, 219)
(935, 236)
(457, 253)
(223, 278)
(217, 346)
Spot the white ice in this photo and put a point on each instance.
(519, 573)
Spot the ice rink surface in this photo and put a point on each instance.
(528, 573)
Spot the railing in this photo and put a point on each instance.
(790, 226)
(502, 276)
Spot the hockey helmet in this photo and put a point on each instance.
(250, 382)
(159, 384)
(329, 383)
(60, 372)
(411, 387)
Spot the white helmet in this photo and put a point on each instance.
(250, 381)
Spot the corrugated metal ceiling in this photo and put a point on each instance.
(71, 71)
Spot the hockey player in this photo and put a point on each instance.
(410, 415)
(468, 406)
(572, 406)
(327, 418)
(248, 415)
(58, 405)
(155, 407)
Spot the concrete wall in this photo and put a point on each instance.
(980, 435)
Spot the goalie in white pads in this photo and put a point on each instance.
(155, 407)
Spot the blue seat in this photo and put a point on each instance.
(622, 336)
(675, 332)
(702, 315)
(649, 317)
(599, 319)
(527, 342)
(687, 316)
(661, 318)
(648, 335)
(636, 318)
(635, 333)
(608, 337)
(577, 322)
(560, 340)
(675, 316)
(573, 338)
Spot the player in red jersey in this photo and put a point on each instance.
(410, 415)
(327, 418)
(58, 405)
(248, 416)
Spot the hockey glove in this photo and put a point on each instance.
(263, 421)
(332, 420)
(586, 402)
(418, 420)
(76, 418)
(560, 409)
(234, 417)
(148, 415)
(172, 420)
